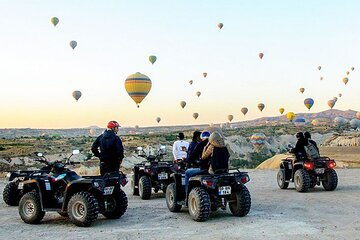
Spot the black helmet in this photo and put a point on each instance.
(307, 135)
(299, 135)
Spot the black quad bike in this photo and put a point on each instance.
(207, 193)
(79, 198)
(307, 173)
(151, 174)
(11, 193)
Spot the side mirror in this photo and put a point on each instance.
(75, 152)
(139, 148)
(39, 154)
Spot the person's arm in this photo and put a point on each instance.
(95, 147)
(119, 149)
(174, 150)
(208, 150)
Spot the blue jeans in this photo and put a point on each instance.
(190, 173)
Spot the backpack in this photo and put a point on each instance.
(311, 151)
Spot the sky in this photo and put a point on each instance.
(39, 71)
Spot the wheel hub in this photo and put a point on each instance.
(79, 210)
(29, 208)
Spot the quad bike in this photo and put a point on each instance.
(11, 193)
(307, 173)
(207, 193)
(151, 174)
(79, 198)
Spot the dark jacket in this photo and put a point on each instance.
(191, 148)
(314, 143)
(194, 159)
(111, 148)
(217, 152)
(299, 149)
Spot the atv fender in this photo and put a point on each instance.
(287, 167)
(33, 185)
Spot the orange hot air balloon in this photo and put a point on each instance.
(138, 86)
(358, 115)
(261, 55)
(281, 110)
(345, 80)
(204, 74)
(244, 110)
(302, 90)
(220, 25)
(331, 103)
(261, 106)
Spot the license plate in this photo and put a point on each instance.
(183, 181)
(47, 186)
(21, 186)
(319, 170)
(108, 190)
(225, 190)
(162, 176)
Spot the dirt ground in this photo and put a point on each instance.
(274, 214)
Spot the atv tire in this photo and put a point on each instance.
(240, 201)
(134, 190)
(302, 180)
(30, 208)
(281, 179)
(120, 203)
(330, 180)
(83, 209)
(145, 187)
(199, 204)
(11, 194)
(171, 198)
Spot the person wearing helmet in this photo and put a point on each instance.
(111, 149)
(180, 148)
(307, 135)
(299, 149)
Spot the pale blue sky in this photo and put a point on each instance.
(38, 69)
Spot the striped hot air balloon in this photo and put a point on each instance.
(138, 86)
(308, 102)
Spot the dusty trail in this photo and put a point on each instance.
(275, 214)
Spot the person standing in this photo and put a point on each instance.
(180, 148)
(111, 149)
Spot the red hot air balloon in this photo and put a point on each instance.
(261, 55)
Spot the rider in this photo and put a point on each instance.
(111, 149)
(180, 149)
(307, 135)
(217, 152)
(299, 149)
(195, 141)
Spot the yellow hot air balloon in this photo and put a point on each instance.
(137, 86)
(76, 94)
(244, 110)
(347, 72)
(54, 21)
(182, 104)
(195, 115)
(198, 93)
(230, 117)
(290, 116)
(302, 90)
(152, 59)
(345, 80)
(261, 106)
(281, 110)
(158, 119)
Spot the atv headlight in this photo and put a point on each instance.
(8, 175)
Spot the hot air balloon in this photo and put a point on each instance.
(220, 25)
(290, 116)
(352, 68)
(321, 78)
(137, 86)
(299, 122)
(54, 21)
(92, 131)
(230, 117)
(345, 80)
(319, 67)
(195, 115)
(261, 55)
(335, 99)
(204, 74)
(340, 94)
(354, 123)
(358, 115)
(261, 106)
(258, 140)
(302, 90)
(309, 102)
(136, 127)
(76, 95)
(347, 72)
(281, 110)
(321, 122)
(182, 104)
(340, 121)
(73, 44)
(158, 119)
(331, 103)
(191, 82)
(198, 93)
(244, 110)
(152, 59)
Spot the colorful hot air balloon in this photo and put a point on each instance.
(331, 103)
(299, 122)
(191, 82)
(158, 119)
(195, 115)
(54, 21)
(261, 55)
(352, 68)
(182, 104)
(290, 116)
(244, 110)
(345, 80)
(340, 94)
(204, 74)
(281, 110)
(73, 44)
(137, 86)
(152, 59)
(308, 102)
(230, 117)
(258, 140)
(354, 123)
(319, 67)
(302, 90)
(261, 106)
(347, 72)
(198, 93)
(76, 94)
(220, 25)
(358, 115)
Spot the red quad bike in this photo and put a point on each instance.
(307, 173)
